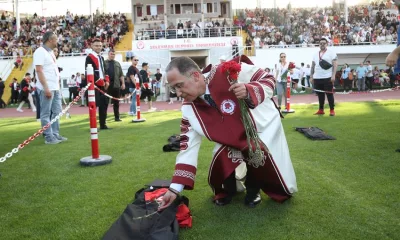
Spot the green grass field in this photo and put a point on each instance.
(347, 187)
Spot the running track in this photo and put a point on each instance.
(161, 106)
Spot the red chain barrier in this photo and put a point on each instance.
(109, 96)
(40, 131)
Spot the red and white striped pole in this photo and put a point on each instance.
(96, 159)
(138, 118)
(288, 90)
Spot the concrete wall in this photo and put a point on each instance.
(346, 54)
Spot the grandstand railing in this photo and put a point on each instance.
(317, 45)
(188, 33)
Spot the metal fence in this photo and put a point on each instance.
(188, 33)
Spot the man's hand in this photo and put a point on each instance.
(123, 87)
(311, 80)
(240, 90)
(107, 84)
(333, 79)
(47, 93)
(391, 59)
(167, 199)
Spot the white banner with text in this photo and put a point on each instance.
(187, 43)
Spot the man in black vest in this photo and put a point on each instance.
(117, 82)
(100, 78)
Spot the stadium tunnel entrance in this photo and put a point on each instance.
(199, 56)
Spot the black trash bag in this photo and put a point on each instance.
(142, 221)
(314, 133)
(174, 144)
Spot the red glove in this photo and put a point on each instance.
(146, 85)
(25, 89)
(107, 78)
(100, 82)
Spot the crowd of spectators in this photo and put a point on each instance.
(74, 32)
(287, 27)
(187, 29)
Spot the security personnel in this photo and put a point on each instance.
(117, 81)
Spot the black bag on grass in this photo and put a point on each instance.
(141, 221)
(314, 133)
(174, 144)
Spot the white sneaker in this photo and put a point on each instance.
(38, 120)
(302, 91)
(33, 110)
(152, 109)
(52, 141)
(294, 91)
(20, 110)
(60, 138)
(130, 113)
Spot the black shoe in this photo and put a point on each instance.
(252, 201)
(104, 127)
(81, 105)
(118, 120)
(223, 201)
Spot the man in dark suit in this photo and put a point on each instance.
(2, 103)
(117, 81)
(100, 78)
(14, 91)
(180, 25)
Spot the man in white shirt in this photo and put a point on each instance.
(307, 72)
(323, 71)
(48, 87)
(71, 87)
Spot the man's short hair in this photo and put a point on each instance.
(322, 39)
(368, 61)
(96, 40)
(183, 65)
(144, 64)
(111, 50)
(47, 36)
(27, 74)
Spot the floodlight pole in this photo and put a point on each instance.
(18, 17)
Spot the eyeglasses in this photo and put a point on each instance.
(136, 60)
(283, 56)
(176, 86)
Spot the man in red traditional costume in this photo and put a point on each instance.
(213, 108)
(101, 79)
